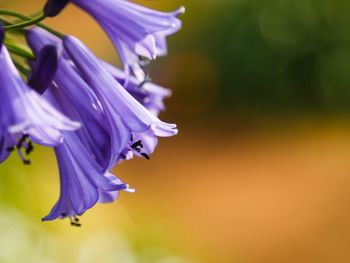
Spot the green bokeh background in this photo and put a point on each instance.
(260, 169)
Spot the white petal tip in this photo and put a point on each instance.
(181, 10)
(130, 190)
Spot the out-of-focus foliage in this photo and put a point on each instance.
(268, 55)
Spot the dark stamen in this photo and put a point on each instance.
(146, 156)
(138, 150)
(22, 140)
(75, 224)
(26, 144)
(74, 221)
(29, 148)
(137, 144)
(26, 162)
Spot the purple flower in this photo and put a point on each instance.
(104, 138)
(83, 182)
(85, 156)
(25, 115)
(115, 123)
(119, 106)
(135, 31)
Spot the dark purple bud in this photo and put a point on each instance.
(44, 68)
(2, 34)
(54, 7)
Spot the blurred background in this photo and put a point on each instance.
(260, 171)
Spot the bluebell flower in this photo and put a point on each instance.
(93, 114)
(135, 31)
(84, 175)
(83, 182)
(24, 115)
(117, 124)
(143, 126)
(104, 138)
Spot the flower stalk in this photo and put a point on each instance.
(21, 25)
(27, 19)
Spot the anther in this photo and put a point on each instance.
(75, 224)
(137, 144)
(22, 140)
(137, 149)
(29, 148)
(146, 156)
(26, 144)
(27, 162)
(74, 221)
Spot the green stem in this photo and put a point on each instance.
(28, 18)
(18, 49)
(7, 23)
(21, 68)
(26, 23)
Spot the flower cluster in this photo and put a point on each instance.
(55, 92)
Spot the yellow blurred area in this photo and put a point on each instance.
(221, 191)
(275, 195)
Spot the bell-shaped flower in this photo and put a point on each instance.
(116, 121)
(119, 105)
(82, 163)
(105, 138)
(24, 114)
(83, 182)
(135, 31)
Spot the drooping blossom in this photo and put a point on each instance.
(24, 115)
(134, 30)
(84, 104)
(143, 126)
(84, 182)
(126, 121)
(104, 137)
